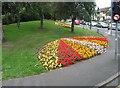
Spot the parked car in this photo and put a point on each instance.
(98, 25)
(69, 20)
(93, 23)
(101, 25)
(104, 25)
(87, 23)
(77, 22)
(113, 25)
(83, 23)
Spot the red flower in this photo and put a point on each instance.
(67, 54)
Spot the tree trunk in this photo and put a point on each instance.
(18, 15)
(41, 21)
(13, 18)
(18, 22)
(3, 37)
(72, 25)
(90, 24)
(54, 17)
(7, 19)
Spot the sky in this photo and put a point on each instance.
(103, 3)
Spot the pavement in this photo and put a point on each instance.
(115, 82)
(84, 73)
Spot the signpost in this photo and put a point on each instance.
(116, 17)
(116, 41)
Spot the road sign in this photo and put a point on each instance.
(115, 7)
(116, 17)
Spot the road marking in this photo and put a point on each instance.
(109, 80)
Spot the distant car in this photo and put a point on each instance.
(101, 25)
(98, 25)
(108, 21)
(83, 23)
(93, 23)
(69, 20)
(77, 22)
(62, 20)
(104, 25)
(87, 23)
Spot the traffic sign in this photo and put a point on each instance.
(116, 17)
(115, 7)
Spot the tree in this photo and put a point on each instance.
(98, 14)
(76, 9)
(90, 9)
(6, 11)
(52, 10)
(59, 10)
(12, 11)
(40, 8)
(66, 10)
(107, 12)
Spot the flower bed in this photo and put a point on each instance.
(67, 51)
(48, 55)
(62, 24)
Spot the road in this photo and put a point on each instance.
(102, 30)
(85, 73)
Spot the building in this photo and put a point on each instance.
(105, 13)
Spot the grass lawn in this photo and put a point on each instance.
(19, 57)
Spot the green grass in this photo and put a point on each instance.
(19, 57)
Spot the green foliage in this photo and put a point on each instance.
(26, 11)
(61, 10)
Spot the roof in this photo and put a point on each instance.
(104, 9)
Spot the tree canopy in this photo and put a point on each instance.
(26, 11)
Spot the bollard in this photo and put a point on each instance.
(97, 30)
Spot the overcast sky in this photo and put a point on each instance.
(103, 3)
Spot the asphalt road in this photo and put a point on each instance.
(85, 73)
(102, 30)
